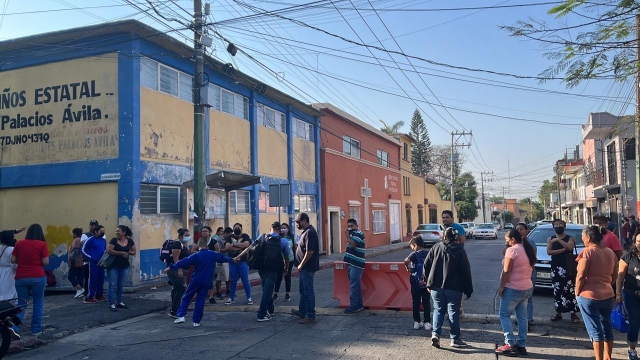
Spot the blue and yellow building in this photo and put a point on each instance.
(97, 123)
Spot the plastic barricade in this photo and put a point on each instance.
(385, 286)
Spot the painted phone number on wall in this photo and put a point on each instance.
(24, 139)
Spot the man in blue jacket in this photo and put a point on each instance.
(93, 249)
(204, 263)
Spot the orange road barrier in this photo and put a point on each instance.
(385, 286)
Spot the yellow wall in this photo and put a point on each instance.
(166, 128)
(46, 116)
(421, 190)
(267, 219)
(272, 153)
(230, 142)
(244, 219)
(155, 229)
(304, 160)
(59, 209)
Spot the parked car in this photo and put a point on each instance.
(508, 226)
(543, 266)
(471, 227)
(497, 225)
(486, 231)
(431, 233)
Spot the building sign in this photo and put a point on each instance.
(110, 176)
(391, 183)
(60, 112)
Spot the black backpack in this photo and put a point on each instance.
(165, 251)
(273, 259)
(255, 255)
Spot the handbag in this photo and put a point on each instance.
(571, 263)
(620, 318)
(106, 260)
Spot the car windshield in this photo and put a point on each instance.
(465, 225)
(428, 227)
(540, 235)
(485, 226)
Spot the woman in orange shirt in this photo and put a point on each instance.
(597, 271)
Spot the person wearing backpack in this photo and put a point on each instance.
(274, 260)
(354, 257)
(419, 292)
(178, 251)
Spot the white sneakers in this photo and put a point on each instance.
(179, 320)
(79, 293)
(196, 324)
(418, 325)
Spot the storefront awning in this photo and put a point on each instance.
(228, 181)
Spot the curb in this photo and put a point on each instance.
(329, 264)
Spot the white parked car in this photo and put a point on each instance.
(485, 231)
(471, 227)
(431, 233)
(497, 225)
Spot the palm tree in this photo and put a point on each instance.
(391, 130)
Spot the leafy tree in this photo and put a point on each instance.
(600, 46)
(507, 216)
(495, 214)
(496, 199)
(526, 206)
(466, 210)
(441, 168)
(546, 189)
(391, 129)
(466, 196)
(421, 148)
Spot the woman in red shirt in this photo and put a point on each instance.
(32, 255)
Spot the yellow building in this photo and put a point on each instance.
(106, 132)
(421, 199)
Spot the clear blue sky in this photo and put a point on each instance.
(469, 38)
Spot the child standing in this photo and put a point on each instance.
(414, 264)
(204, 263)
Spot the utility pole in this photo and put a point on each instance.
(637, 127)
(504, 205)
(199, 166)
(484, 216)
(454, 137)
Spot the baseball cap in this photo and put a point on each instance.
(302, 216)
(93, 222)
(275, 225)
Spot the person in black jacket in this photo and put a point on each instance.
(447, 274)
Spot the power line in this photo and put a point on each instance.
(494, 7)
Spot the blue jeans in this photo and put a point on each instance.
(451, 299)
(269, 278)
(36, 287)
(632, 304)
(534, 275)
(355, 288)
(596, 315)
(514, 300)
(307, 307)
(117, 277)
(240, 269)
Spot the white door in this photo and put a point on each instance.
(394, 222)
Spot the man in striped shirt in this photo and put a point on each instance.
(354, 257)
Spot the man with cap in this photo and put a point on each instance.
(276, 259)
(83, 239)
(308, 261)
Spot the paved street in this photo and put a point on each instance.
(230, 332)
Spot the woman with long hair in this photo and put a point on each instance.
(628, 292)
(121, 246)
(7, 269)
(32, 255)
(515, 290)
(285, 231)
(560, 248)
(597, 272)
(524, 232)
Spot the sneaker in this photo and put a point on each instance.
(172, 314)
(229, 302)
(16, 336)
(90, 301)
(633, 354)
(275, 297)
(196, 324)
(102, 299)
(219, 297)
(79, 293)
(121, 305)
(212, 300)
(427, 326)
(458, 343)
(37, 333)
(112, 307)
(435, 342)
(179, 320)
(287, 298)
(522, 351)
(307, 321)
(270, 314)
(416, 325)
(249, 301)
(360, 309)
(296, 313)
(263, 318)
(350, 311)
(507, 350)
